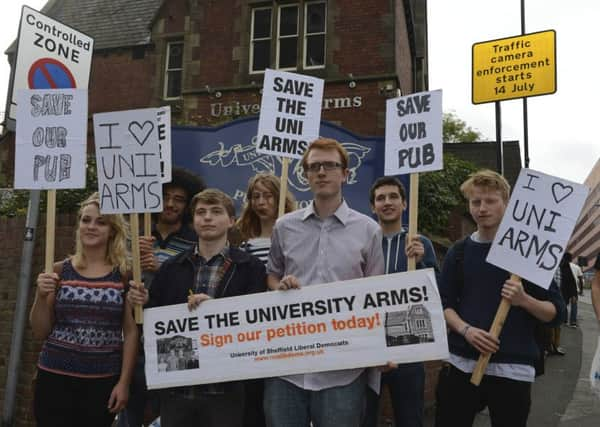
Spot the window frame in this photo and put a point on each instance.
(305, 36)
(252, 39)
(274, 37)
(170, 70)
(279, 37)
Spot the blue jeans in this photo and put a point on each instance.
(287, 405)
(407, 388)
(573, 313)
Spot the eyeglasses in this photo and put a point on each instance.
(327, 166)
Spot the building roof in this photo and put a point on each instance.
(112, 23)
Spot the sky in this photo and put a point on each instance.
(563, 136)
(564, 139)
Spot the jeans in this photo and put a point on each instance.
(287, 405)
(219, 409)
(573, 312)
(407, 387)
(458, 401)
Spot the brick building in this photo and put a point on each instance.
(206, 59)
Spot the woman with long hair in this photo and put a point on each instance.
(255, 225)
(90, 336)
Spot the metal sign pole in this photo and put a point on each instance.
(14, 359)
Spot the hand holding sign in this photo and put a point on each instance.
(532, 236)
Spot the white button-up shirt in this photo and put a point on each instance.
(344, 246)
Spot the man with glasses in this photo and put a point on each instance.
(324, 242)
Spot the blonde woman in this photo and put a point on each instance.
(90, 336)
(260, 213)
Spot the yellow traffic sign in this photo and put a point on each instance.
(514, 67)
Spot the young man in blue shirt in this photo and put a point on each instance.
(407, 381)
(471, 290)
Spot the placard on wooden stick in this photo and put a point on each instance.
(413, 144)
(50, 148)
(290, 117)
(532, 237)
(129, 172)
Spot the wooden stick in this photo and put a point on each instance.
(495, 330)
(135, 253)
(283, 185)
(147, 224)
(50, 230)
(413, 216)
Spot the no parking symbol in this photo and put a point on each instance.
(48, 73)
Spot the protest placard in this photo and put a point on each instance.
(50, 147)
(413, 133)
(341, 325)
(290, 113)
(128, 161)
(163, 123)
(537, 225)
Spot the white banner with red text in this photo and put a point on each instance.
(340, 325)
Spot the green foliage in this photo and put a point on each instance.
(14, 203)
(439, 194)
(456, 130)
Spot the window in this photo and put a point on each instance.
(173, 70)
(300, 32)
(314, 35)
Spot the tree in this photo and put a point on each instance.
(439, 194)
(456, 130)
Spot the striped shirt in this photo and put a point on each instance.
(259, 247)
(87, 337)
(175, 243)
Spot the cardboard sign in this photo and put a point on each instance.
(50, 147)
(341, 325)
(163, 122)
(413, 133)
(128, 161)
(290, 113)
(537, 225)
(50, 55)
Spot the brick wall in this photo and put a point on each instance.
(11, 236)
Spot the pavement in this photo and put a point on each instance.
(562, 396)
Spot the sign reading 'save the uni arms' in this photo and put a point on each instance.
(514, 67)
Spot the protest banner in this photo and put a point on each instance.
(50, 146)
(50, 55)
(413, 144)
(413, 133)
(537, 225)
(129, 174)
(163, 123)
(128, 161)
(532, 236)
(341, 325)
(290, 117)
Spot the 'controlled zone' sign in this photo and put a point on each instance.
(514, 67)
(50, 55)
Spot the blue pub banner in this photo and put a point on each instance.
(225, 158)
